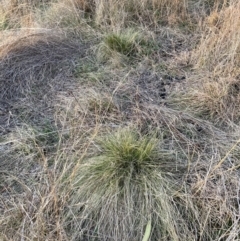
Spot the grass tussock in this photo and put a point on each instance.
(123, 44)
(138, 181)
(119, 120)
(126, 46)
(119, 47)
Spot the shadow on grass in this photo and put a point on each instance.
(32, 70)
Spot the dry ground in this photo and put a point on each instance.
(119, 120)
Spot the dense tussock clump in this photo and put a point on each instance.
(137, 182)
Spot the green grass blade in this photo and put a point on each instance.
(147, 231)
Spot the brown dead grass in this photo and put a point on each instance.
(118, 14)
(18, 13)
(213, 93)
(218, 50)
(215, 99)
(58, 102)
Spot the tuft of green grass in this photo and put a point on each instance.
(128, 154)
(118, 46)
(4, 23)
(121, 43)
(131, 180)
(127, 45)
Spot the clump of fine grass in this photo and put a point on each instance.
(118, 46)
(121, 43)
(131, 181)
(126, 46)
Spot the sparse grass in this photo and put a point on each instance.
(88, 70)
(119, 120)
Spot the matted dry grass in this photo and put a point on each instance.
(34, 67)
(136, 140)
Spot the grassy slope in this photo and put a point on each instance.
(119, 120)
